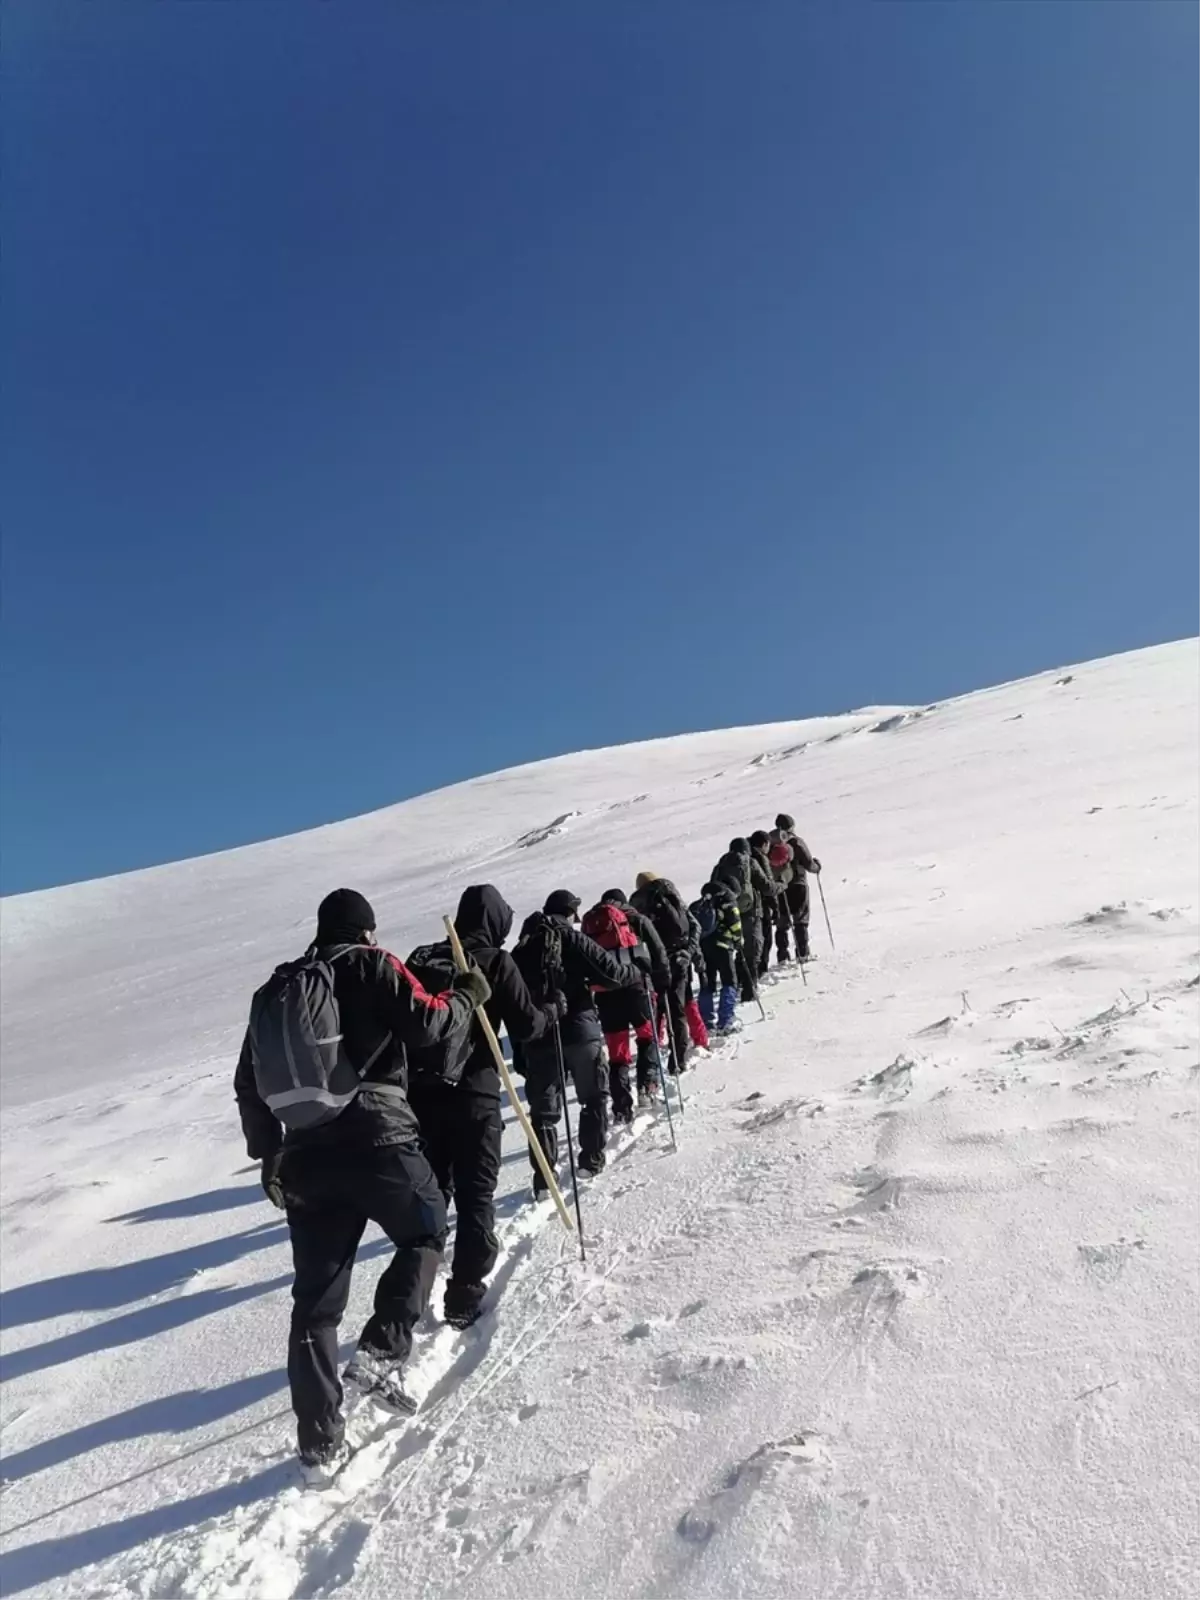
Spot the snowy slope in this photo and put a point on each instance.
(912, 1311)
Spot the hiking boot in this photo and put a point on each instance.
(373, 1373)
(592, 1163)
(324, 1456)
(644, 1100)
(463, 1304)
(623, 1118)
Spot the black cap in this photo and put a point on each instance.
(343, 917)
(784, 821)
(562, 903)
(759, 838)
(614, 897)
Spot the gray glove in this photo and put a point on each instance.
(474, 985)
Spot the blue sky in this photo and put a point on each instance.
(394, 392)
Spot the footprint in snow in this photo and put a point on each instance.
(1106, 1262)
(774, 1468)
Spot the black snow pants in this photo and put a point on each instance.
(583, 1057)
(332, 1195)
(675, 1000)
(461, 1132)
(751, 952)
(794, 916)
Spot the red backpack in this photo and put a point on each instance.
(780, 854)
(609, 927)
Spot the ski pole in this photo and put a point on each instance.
(825, 909)
(662, 1076)
(675, 1056)
(489, 1033)
(562, 1085)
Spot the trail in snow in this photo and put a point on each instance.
(911, 1311)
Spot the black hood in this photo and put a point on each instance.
(739, 847)
(484, 916)
(719, 893)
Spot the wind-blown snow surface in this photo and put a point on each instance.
(912, 1311)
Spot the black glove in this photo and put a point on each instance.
(559, 1004)
(474, 985)
(661, 981)
(272, 1187)
(816, 866)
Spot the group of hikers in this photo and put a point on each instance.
(369, 1091)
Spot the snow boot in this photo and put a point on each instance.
(374, 1373)
(324, 1455)
(593, 1162)
(463, 1304)
(728, 1008)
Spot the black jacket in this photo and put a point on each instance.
(661, 902)
(582, 963)
(380, 1003)
(762, 880)
(733, 870)
(483, 922)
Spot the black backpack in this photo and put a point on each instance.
(433, 967)
(539, 955)
(668, 914)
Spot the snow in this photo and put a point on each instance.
(912, 1310)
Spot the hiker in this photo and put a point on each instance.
(791, 862)
(721, 942)
(659, 900)
(750, 884)
(617, 927)
(459, 1109)
(768, 891)
(320, 1088)
(554, 955)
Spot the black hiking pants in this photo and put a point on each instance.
(583, 1057)
(332, 1195)
(793, 918)
(751, 954)
(675, 999)
(461, 1133)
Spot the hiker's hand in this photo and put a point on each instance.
(559, 1004)
(816, 866)
(474, 985)
(272, 1187)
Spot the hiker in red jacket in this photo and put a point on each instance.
(618, 928)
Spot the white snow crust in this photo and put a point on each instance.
(913, 1310)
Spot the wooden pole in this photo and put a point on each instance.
(489, 1033)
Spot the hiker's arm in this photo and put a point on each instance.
(803, 857)
(601, 967)
(416, 1017)
(523, 1019)
(263, 1133)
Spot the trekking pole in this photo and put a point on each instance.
(562, 1085)
(662, 1076)
(675, 1056)
(825, 909)
(489, 1033)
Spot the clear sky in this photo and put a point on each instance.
(394, 392)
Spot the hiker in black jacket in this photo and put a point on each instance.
(745, 880)
(554, 955)
(659, 900)
(768, 893)
(364, 1165)
(461, 1123)
(793, 875)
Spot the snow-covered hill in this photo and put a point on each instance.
(912, 1311)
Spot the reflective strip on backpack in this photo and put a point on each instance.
(321, 1097)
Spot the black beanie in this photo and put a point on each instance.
(344, 915)
(614, 897)
(739, 847)
(759, 840)
(562, 903)
(784, 821)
